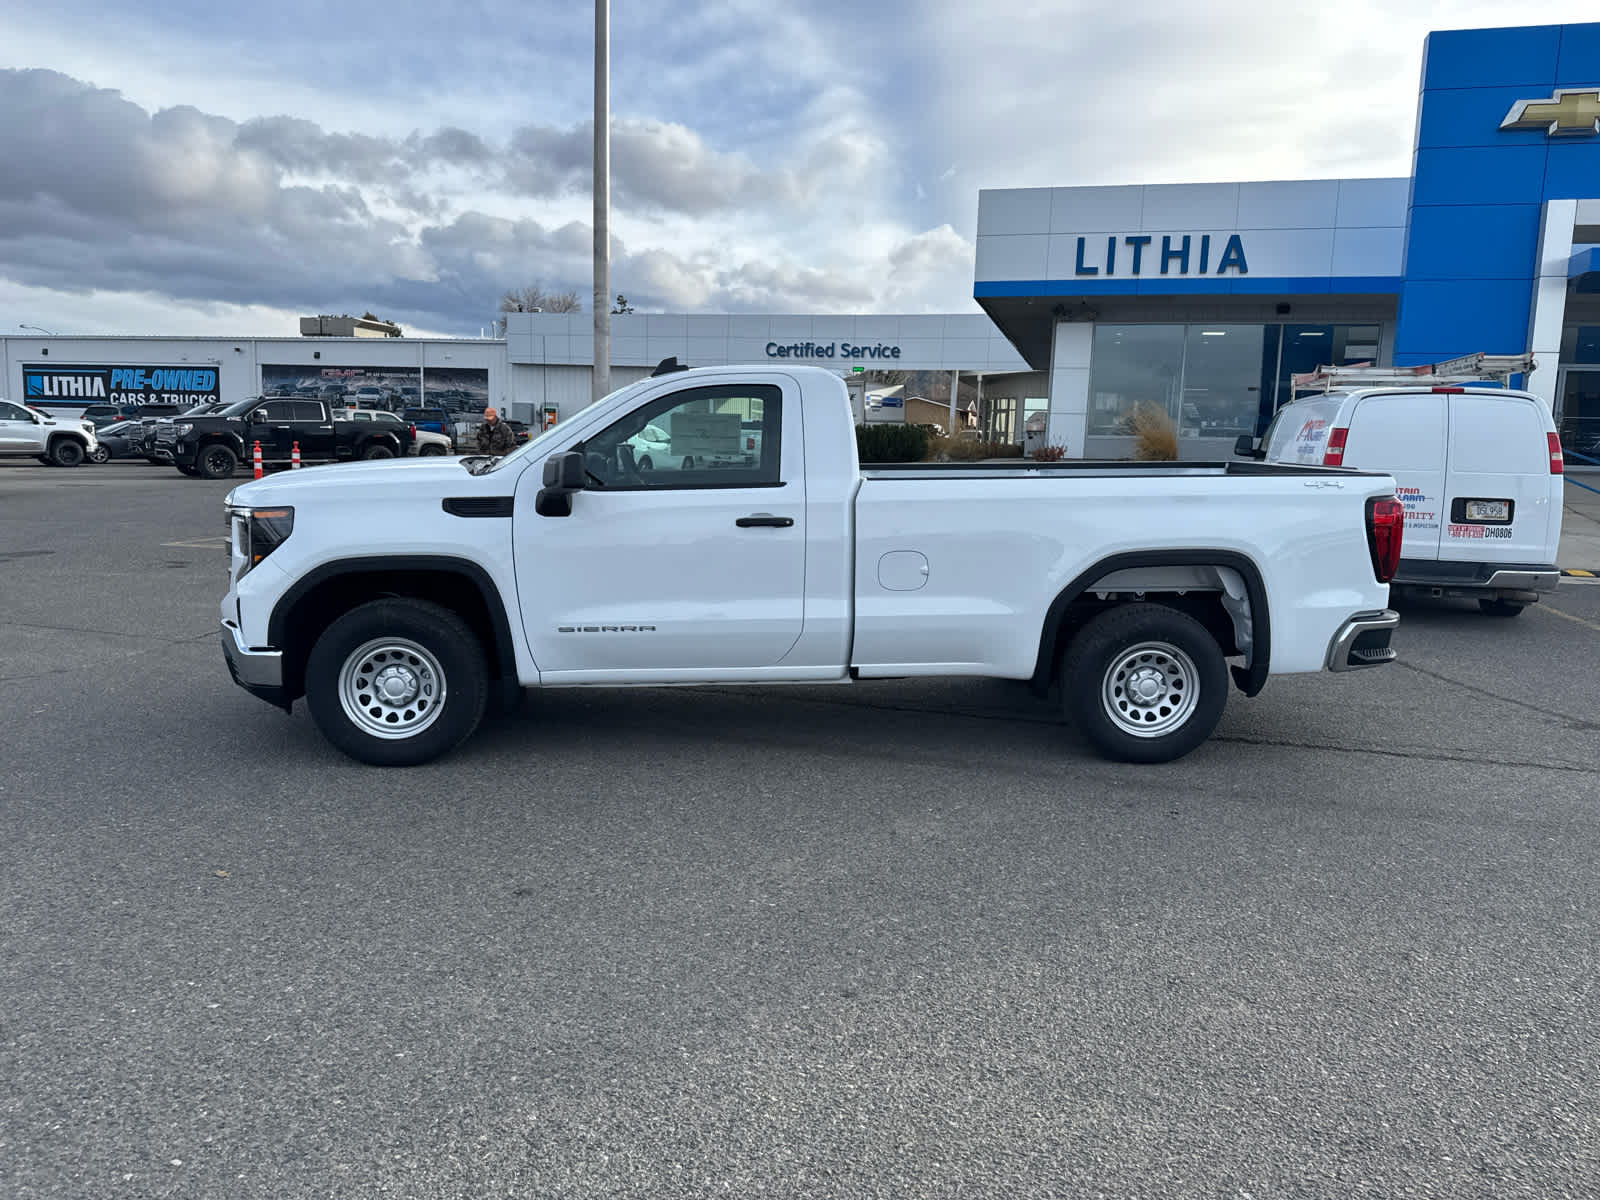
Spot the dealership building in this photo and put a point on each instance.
(1202, 300)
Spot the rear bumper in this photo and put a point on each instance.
(1363, 641)
(1507, 581)
(259, 672)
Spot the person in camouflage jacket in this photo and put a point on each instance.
(494, 436)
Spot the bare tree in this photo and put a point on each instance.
(533, 298)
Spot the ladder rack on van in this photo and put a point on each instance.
(1454, 372)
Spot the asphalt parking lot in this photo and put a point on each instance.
(907, 940)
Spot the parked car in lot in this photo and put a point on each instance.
(652, 451)
(124, 439)
(398, 598)
(1479, 472)
(420, 441)
(54, 441)
(214, 445)
(434, 420)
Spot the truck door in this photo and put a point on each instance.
(664, 572)
(17, 430)
(1501, 503)
(1403, 433)
(312, 427)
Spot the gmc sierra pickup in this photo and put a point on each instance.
(401, 598)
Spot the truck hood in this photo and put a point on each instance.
(406, 479)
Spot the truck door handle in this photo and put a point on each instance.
(764, 519)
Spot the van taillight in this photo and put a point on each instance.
(1386, 526)
(1558, 464)
(1334, 455)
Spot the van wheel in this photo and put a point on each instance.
(1144, 683)
(65, 452)
(395, 683)
(1500, 608)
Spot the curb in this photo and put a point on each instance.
(1575, 573)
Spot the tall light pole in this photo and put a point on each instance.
(43, 331)
(600, 380)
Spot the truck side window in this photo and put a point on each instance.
(10, 412)
(724, 435)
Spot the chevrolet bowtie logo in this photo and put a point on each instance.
(1570, 112)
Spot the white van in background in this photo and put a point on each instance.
(1479, 473)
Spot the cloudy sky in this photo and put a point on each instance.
(179, 166)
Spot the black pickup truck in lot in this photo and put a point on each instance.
(214, 445)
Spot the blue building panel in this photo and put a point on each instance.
(1579, 62)
(1446, 317)
(1480, 175)
(1458, 241)
(1572, 170)
(1474, 58)
(1471, 117)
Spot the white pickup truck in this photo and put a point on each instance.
(402, 598)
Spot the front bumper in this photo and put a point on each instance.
(1363, 641)
(257, 671)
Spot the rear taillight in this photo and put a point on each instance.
(1386, 526)
(1334, 455)
(1558, 464)
(413, 429)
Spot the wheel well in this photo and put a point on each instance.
(302, 614)
(70, 436)
(1221, 590)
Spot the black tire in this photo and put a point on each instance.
(377, 450)
(100, 456)
(216, 461)
(45, 459)
(1501, 608)
(687, 464)
(432, 451)
(67, 452)
(1184, 674)
(645, 464)
(351, 654)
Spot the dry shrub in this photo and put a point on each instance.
(1157, 436)
(1049, 454)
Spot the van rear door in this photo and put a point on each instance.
(1299, 433)
(1501, 502)
(1403, 433)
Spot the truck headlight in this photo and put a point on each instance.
(183, 428)
(256, 533)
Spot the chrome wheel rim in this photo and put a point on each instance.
(1150, 689)
(392, 688)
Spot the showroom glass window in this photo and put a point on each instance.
(1213, 379)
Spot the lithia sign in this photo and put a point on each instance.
(1176, 255)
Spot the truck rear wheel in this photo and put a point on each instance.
(1144, 683)
(379, 450)
(395, 683)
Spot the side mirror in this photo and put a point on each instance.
(1245, 447)
(563, 475)
(259, 414)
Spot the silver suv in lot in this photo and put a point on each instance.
(54, 440)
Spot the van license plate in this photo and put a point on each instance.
(1488, 510)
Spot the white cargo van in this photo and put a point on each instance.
(1479, 473)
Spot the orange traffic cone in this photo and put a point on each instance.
(294, 458)
(258, 460)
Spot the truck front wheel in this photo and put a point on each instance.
(395, 683)
(66, 452)
(1144, 683)
(216, 462)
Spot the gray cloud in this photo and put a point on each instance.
(277, 211)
